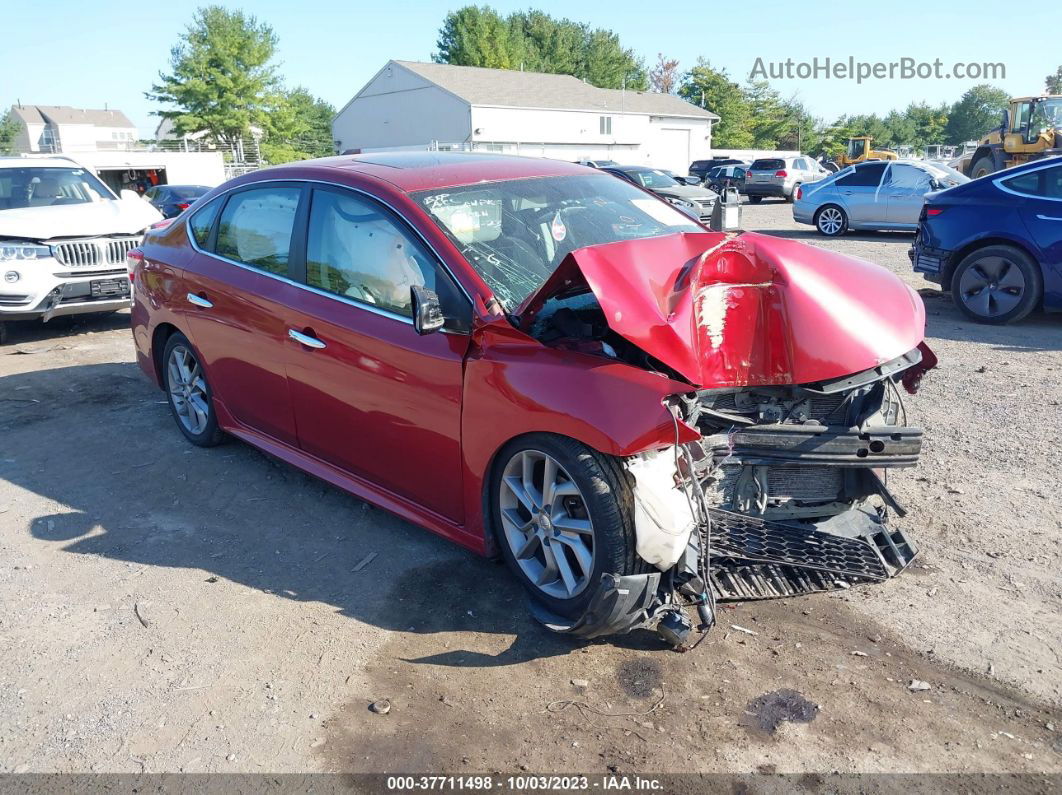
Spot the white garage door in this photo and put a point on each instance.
(672, 150)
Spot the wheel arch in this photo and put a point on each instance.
(159, 337)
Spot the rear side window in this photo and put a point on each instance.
(202, 221)
(1045, 183)
(355, 249)
(863, 176)
(256, 227)
(768, 164)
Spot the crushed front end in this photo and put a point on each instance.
(778, 485)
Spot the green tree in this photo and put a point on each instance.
(977, 112)
(1053, 83)
(9, 130)
(802, 131)
(476, 36)
(713, 90)
(768, 116)
(222, 79)
(298, 128)
(928, 124)
(535, 41)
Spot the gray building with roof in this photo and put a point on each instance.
(413, 105)
(61, 129)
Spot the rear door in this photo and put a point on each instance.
(905, 187)
(1041, 210)
(371, 396)
(860, 193)
(234, 304)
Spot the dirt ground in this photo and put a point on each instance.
(167, 608)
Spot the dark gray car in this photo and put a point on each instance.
(693, 200)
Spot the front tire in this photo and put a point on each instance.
(983, 166)
(188, 393)
(831, 221)
(563, 515)
(997, 285)
(755, 199)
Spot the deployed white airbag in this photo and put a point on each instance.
(663, 519)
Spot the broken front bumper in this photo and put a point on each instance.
(786, 495)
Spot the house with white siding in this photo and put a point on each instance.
(414, 105)
(61, 129)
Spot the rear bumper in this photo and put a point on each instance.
(767, 189)
(930, 262)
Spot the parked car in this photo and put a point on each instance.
(699, 168)
(63, 240)
(596, 163)
(172, 200)
(996, 242)
(517, 354)
(695, 201)
(720, 178)
(781, 176)
(876, 194)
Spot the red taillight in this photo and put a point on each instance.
(800, 192)
(934, 210)
(781, 173)
(182, 206)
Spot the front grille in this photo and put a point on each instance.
(94, 252)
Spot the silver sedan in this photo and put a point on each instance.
(876, 194)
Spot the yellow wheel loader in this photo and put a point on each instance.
(857, 151)
(1031, 128)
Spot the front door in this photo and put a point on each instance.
(371, 396)
(905, 188)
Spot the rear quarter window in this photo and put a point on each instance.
(202, 221)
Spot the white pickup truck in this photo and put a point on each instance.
(63, 240)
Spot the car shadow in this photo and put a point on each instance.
(134, 490)
(32, 331)
(1038, 332)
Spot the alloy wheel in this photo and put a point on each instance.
(546, 524)
(992, 286)
(830, 221)
(188, 390)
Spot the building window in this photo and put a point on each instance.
(605, 125)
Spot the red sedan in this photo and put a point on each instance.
(538, 360)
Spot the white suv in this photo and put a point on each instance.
(63, 240)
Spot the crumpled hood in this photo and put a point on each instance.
(107, 217)
(746, 310)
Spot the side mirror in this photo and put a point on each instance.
(427, 311)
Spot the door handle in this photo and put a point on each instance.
(198, 300)
(1048, 217)
(306, 339)
(847, 192)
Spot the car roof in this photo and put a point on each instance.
(414, 171)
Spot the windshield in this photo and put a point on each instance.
(946, 174)
(48, 187)
(1047, 115)
(652, 179)
(516, 232)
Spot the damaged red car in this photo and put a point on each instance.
(540, 361)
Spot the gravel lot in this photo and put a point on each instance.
(167, 608)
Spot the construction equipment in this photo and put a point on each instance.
(857, 151)
(1031, 128)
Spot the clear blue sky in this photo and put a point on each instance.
(86, 54)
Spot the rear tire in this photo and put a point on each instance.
(592, 506)
(188, 393)
(831, 221)
(755, 199)
(997, 285)
(792, 194)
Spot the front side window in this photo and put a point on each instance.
(256, 227)
(908, 179)
(355, 249)
(515, 233)
(48, 187)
